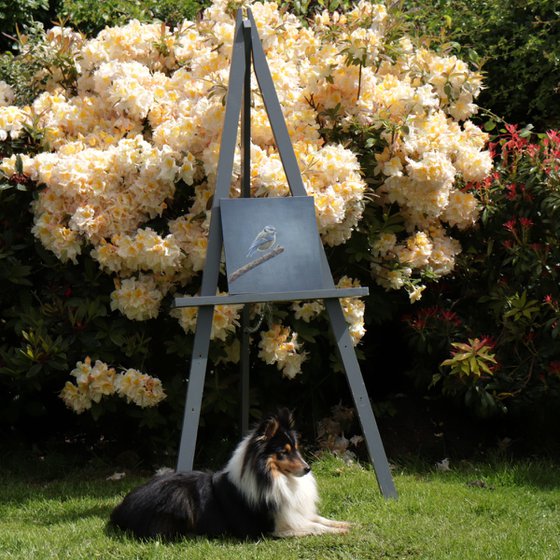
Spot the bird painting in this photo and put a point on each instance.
(263, 242)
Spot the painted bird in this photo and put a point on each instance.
(264, 240)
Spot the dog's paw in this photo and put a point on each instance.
(334, 523)
(341, 527)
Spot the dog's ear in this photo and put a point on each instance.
(282, 420)
(268, 428)
(286, 418)
(271, 428)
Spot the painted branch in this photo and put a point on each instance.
(253, 264)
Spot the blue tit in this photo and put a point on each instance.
(264, 240)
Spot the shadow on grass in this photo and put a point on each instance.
(533, 474)
(116, 534)
(57, 490)
(540, 474)
(70, 485)
(72, 513)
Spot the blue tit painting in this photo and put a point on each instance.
(263, 242)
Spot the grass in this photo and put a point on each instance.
(504, 511)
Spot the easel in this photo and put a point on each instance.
(247, 46)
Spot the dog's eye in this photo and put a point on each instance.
(281, 454)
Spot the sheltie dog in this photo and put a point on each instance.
(265, 488)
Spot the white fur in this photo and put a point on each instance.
(297, 515)
(244, 480)
(294, 499)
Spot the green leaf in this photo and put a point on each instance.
(19, 165)
(34, 370)
(435, 380)
(527, 131)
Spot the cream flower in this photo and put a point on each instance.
(307, 310)
(354, 309)
(92, 383)
(462, 209)
(279, 345)
(384, 244)
(415, 293)
(139, 388)
(12, 120)
(6, 94)
(137, 298)
(224, 322)
(75, 398)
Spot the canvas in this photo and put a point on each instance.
(271, 244)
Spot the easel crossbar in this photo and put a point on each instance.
(236, 299)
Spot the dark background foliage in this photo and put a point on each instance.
(89, 16)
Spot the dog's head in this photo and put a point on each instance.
(280, 441)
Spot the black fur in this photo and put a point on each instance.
(196, 503)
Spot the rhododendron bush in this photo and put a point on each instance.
(127, 155)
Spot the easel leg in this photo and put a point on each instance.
(361, 399)
(246, 193)
(245, 369)
(212, 266)
(195, 389)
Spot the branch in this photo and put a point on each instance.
(253, 264)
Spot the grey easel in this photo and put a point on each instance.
(247, 47)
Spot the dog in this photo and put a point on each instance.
(266, 488)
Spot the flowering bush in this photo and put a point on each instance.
(500, 319)
(125, 155)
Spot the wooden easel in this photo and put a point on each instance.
(247, 48)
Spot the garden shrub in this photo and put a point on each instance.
(494, 331)
(91, 16)
(42, 60)
(518, 44)
(16, 14)
(52, 316)
(123, 166)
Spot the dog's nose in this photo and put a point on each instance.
(306, 469)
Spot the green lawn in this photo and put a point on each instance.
(506, 510)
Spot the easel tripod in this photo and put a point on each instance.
(247, 48)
